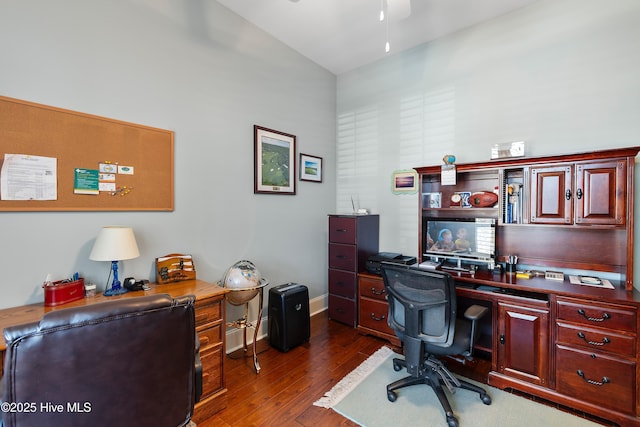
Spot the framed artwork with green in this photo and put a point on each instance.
(274, 161)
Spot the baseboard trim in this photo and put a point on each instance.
(234, 336)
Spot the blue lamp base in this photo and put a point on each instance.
(116, 287)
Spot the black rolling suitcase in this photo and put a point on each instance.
(288, 316)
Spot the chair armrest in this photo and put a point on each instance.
(475, 312)
(197, 373)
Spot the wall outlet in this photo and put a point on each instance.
(554, 275)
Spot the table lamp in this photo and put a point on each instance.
(115, 244)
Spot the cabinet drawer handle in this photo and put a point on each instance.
(605, 340)
(604, 317)
(340, 256)
(376, 318)
(381, 292)
(341, 230)
(604, 381)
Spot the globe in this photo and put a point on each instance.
(244, 281)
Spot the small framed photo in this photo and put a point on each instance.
(310, 168)
(274, 161)
(404, 182)
(432, 200)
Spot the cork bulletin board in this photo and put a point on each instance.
(133, 163)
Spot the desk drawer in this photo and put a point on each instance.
(343, 257)
(372, 288)
(208, 313)
(596, 378)
(211, 359)
(342, 230)
(342, 283)
(597, 314)
(373, 315)
(342, 309)
(210, 336)
(593, 339)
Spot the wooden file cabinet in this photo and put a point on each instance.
(209, 313)
(596, 353)
(352, 239)
(373, 308)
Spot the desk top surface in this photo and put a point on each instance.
(34, 312)
(539, 285)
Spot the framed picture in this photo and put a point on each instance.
(310, 168)
(404, 182)
(274, 161)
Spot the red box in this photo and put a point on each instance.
(62, 292)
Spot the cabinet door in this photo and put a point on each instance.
(551, 201)
(600, 192)
(523, 348)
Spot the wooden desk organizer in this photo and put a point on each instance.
(175, 268)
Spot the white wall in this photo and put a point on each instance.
(197, 69)
(561, 75)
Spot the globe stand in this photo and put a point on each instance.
(244, 323)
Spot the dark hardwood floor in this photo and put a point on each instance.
(288, 383)
(282, 394)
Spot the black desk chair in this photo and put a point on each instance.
(422, 313)
(126, 362)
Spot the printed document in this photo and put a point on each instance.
(26, 177)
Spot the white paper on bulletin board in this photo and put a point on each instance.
(27, 177)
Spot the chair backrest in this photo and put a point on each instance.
(422, 308)
(128, 361)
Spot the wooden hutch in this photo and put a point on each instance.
(573, 344)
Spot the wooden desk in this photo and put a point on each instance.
(209, 313)
(550, 339)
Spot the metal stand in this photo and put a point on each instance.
(244, 323)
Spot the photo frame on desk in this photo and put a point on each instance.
(274, 162)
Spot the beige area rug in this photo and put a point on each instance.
(361, 396)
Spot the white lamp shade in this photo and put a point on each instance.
(115, 244)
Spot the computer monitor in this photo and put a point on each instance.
(472, 239)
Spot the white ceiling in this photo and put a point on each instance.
(341, 35)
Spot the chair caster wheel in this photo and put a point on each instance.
(486, 399)
(452, 421)
(392, 396)
(396, 366)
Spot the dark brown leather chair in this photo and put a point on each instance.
(126, 362)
